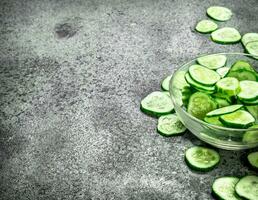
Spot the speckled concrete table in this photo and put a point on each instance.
(72, 74)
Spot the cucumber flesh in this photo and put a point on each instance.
(252, 48)
(224, 188)
(219, 13)
(221, 102)
(206, 26)
(242, 65)
(224, 110)
(200, 104)
(242, 75)
(249, 37)
(179, 80)
(223, 71)
(170, 125)
(201, 158)
(212, 61)
(254, 111)
(226, 35)
(165, 83)
(228, 86)
(213, 120)
(249, 90)
(203, 75)
(237, 119)
(253, 159)
(247, 187)
(251, 136)
(198, 86)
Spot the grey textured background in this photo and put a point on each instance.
(72, 74)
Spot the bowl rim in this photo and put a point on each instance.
(194, 118)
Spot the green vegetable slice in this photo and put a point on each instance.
(224, 188)
(228, 86)
(169, 125)
(223, 71)
(212, 61)
(249, 37)
(253, 110)
(157, 103)
(201, 158)
(180, 81)
(252, 48)
(237, 119)
(200, 104)
(247, 187)
(206, 26)
(203, 75)
(249, 90)
(242, 65)
(250, 103)
(253, 159)
(221, 102)
(224, 110)
(242, 75)
(165, 83)
(213, 120)
(226, 35)
(251, 136)
(219, 13)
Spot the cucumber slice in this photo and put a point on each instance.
(253, 110)
(247, 187)
(223, 71)
(186, 94)
(157, 103)
(165, 83)
(169, 125)
(253, 159)
(249, 91)
(224, 110)
(180, 81)
(201, 158)
(198, 86)
(237, 119)
(213, 120)
(249, 37)
(226, 35)
(221, 102)
(252, 48)
(219, 13)
(230, 99)
(224, 188)
(212, 61)
(242, 75)
(206, 26)
(200, 104)
(228, 86)
(203, 75)
(251, 136)
(250, 103)
(241, 65)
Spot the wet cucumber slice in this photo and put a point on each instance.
(203, 75)
(242, 65)
(206, 26)
(157, 103)
(251, 136)
(224, 110)
(228, 86)
(249, 37)
(201, 158)
(223, 71)
(200, 104)
(237, 119)
(226, 35)
(213, 120)
(249, 91)
(253, 159)
(247, 187)
(170, 125)
(224, 188)
(219, 13)
(252, 48)
(212, 61)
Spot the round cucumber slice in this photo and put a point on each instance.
(170, 125)
(213, 120)
(165, 83)
(237, 119)
(226, 35)
(180, 81)
(229, 86)
(203, 75)
(249, 37)
(200, 104)
(224, 110)
(249, 90)
(251, 136)
(253, 159)
(212, 61)
(247, 187)
(206, 26)
(223, 71)
(157, 103)
(252, 48)
(224, 188)
(219, 13)
(201, 158)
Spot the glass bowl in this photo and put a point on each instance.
(218, 136)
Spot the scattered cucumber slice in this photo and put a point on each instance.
(200, 104)
(223, 71)
(249, 90)
(212, 61)
(241, 65)
(249, 37)
(242, 75)
(228, 86)
(253, 159)
(165, 83)
(237, 119)
(169, 125)
(224, 110)
(252, 48)
(203, 75)
(213, 120)
(224, 188)
(253, 110)
(247, 187)
(226, 35)
(221, 102)
(206, 26)
(251, 136)
(201, 158)
(157, 103)
(219, 13)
